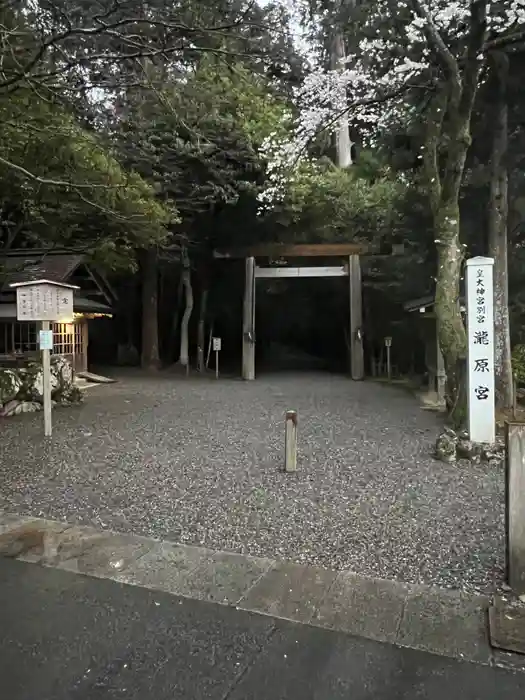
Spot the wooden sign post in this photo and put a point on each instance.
(217, 344)
(44, 301)
(388, 345)
(45, 339)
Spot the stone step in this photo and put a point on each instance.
(95, 378)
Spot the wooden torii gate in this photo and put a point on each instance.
(351, 268)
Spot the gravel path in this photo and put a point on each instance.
(197, 461)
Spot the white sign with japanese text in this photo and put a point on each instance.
(480, 332)
(44, 302)
(217, 344)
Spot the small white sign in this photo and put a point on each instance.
(44, 302)
(480, 331)
(388, 342)
(45, 340)
(217, 343)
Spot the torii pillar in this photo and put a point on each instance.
(357, 357)
(248, 321)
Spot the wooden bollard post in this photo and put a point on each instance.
(290, 442)
(388, 345)
(515, 505)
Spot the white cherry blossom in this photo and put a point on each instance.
(393, 52)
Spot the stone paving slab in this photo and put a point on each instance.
(30, 539)
(507, 624)
(224, 578)
(441, 623)
(103, 555)
(7, 521)
(166, 567)
(290, 591)
(421, 617)
(364, 607)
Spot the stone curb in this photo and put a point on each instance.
(443, 622)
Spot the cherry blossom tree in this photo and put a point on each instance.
(411, 61)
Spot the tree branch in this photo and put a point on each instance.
(434, 120)
(55, 183)
(109, 212)
(111, 28)
(476, 40)
(435, 39)
(458, 129)
(122, 57)
(502, 42)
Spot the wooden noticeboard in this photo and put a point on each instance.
(44, 302)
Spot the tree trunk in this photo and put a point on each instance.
(150, 325)
(201, 339)
(443, 189)
(12, 235)
(497, 240)
(443, 183)
(447, 142)
(343, 142)
(172, 342)
(450, 327)
(184, 357)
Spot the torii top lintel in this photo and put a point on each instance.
(295, 250)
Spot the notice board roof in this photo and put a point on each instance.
(33, 283)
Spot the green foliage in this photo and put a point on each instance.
(326, 203)
(195, 138)
(183, 139)
(518, 363)
(60, 186)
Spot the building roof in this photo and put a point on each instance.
(27, 267)
(426, 302)
(89, 306)
(421, 302)
(60, 266)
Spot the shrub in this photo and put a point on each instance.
(518, 363)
